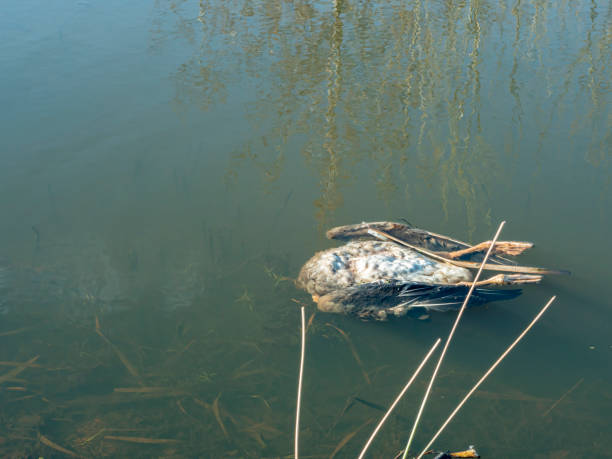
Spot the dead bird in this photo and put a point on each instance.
(389, 269)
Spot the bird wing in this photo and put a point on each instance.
(397, 298)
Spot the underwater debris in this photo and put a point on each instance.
(142, 440)
(45, 441)
(124, 360)
(398, 398)
(571, 389)
(348, 438)
(246, 299)
(12, 374)
(353, 351)
(216, 412)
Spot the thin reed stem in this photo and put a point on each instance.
(489, 371)
(299, 394)
(448, 340)
(401, 394)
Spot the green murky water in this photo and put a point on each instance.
(167, 167)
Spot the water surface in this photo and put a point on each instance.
(167, 167)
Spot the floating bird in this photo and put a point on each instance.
(389, 269)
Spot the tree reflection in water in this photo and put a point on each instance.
(448, 94)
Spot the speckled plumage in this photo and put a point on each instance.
(361, 262)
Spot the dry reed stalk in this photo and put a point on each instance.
(401, 394)
(487, 373)
(512, 248)
(468, 264)
(448, 340)
(299, 391)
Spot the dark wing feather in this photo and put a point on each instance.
(447, 297)
(397, 298)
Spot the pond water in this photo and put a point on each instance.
(167, 167)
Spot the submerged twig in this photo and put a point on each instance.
(448, 340)
(143, 440)
(299, 392)
(45, 441)
(487, 373)
(369, 404)
(265, 402)
(215, 408)
(5, 363)
(310, 320)
(353, 351)
(15, 332)
(401, 394)
(139, 390)
(572, 389)
(153, 391)
(124, 360)
(10, 375)
(350, 401)
(347, 438)
(376, 406)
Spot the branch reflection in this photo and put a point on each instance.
(450, 94)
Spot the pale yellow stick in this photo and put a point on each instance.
(299, 393)
(506, 279)
(401, 394)
(506, 247)
(448, 340)
(489, 371)
(468, 264)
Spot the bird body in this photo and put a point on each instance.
(374, 278)
(361, 262)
